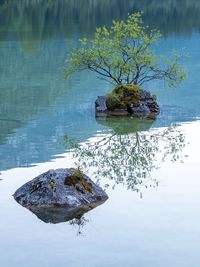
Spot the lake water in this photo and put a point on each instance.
(152, 216)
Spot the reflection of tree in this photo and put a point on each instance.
(129, 159)
(79, 222)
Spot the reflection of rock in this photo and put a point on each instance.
(60, 195)
(125, 125)
(127, 100)
(58, 215)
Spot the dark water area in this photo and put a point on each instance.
(39, 20)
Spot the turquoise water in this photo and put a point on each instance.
(153, 226)
(37, 106)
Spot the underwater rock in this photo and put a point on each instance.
(127, 100)
(59, 195)
(124, 125)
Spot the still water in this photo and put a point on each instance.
(152, 215)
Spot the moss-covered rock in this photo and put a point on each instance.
(59, 195)
(127, 95)
(127, 99)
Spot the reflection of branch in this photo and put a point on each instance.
(129, 159)
(107, 139)
(80, 222)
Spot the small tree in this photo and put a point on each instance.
(123, 54)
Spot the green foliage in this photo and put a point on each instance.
(123, 54)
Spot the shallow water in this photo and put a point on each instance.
(156, 221)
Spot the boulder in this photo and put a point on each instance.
(60, 195)
(127, 100)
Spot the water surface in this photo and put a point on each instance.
(150, 168)
(158, 226)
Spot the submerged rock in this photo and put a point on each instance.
(127, 100)
(60, 195)
(124, 125)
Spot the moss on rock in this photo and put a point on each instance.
(78, 180)
(124, 96)
(127, 100)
